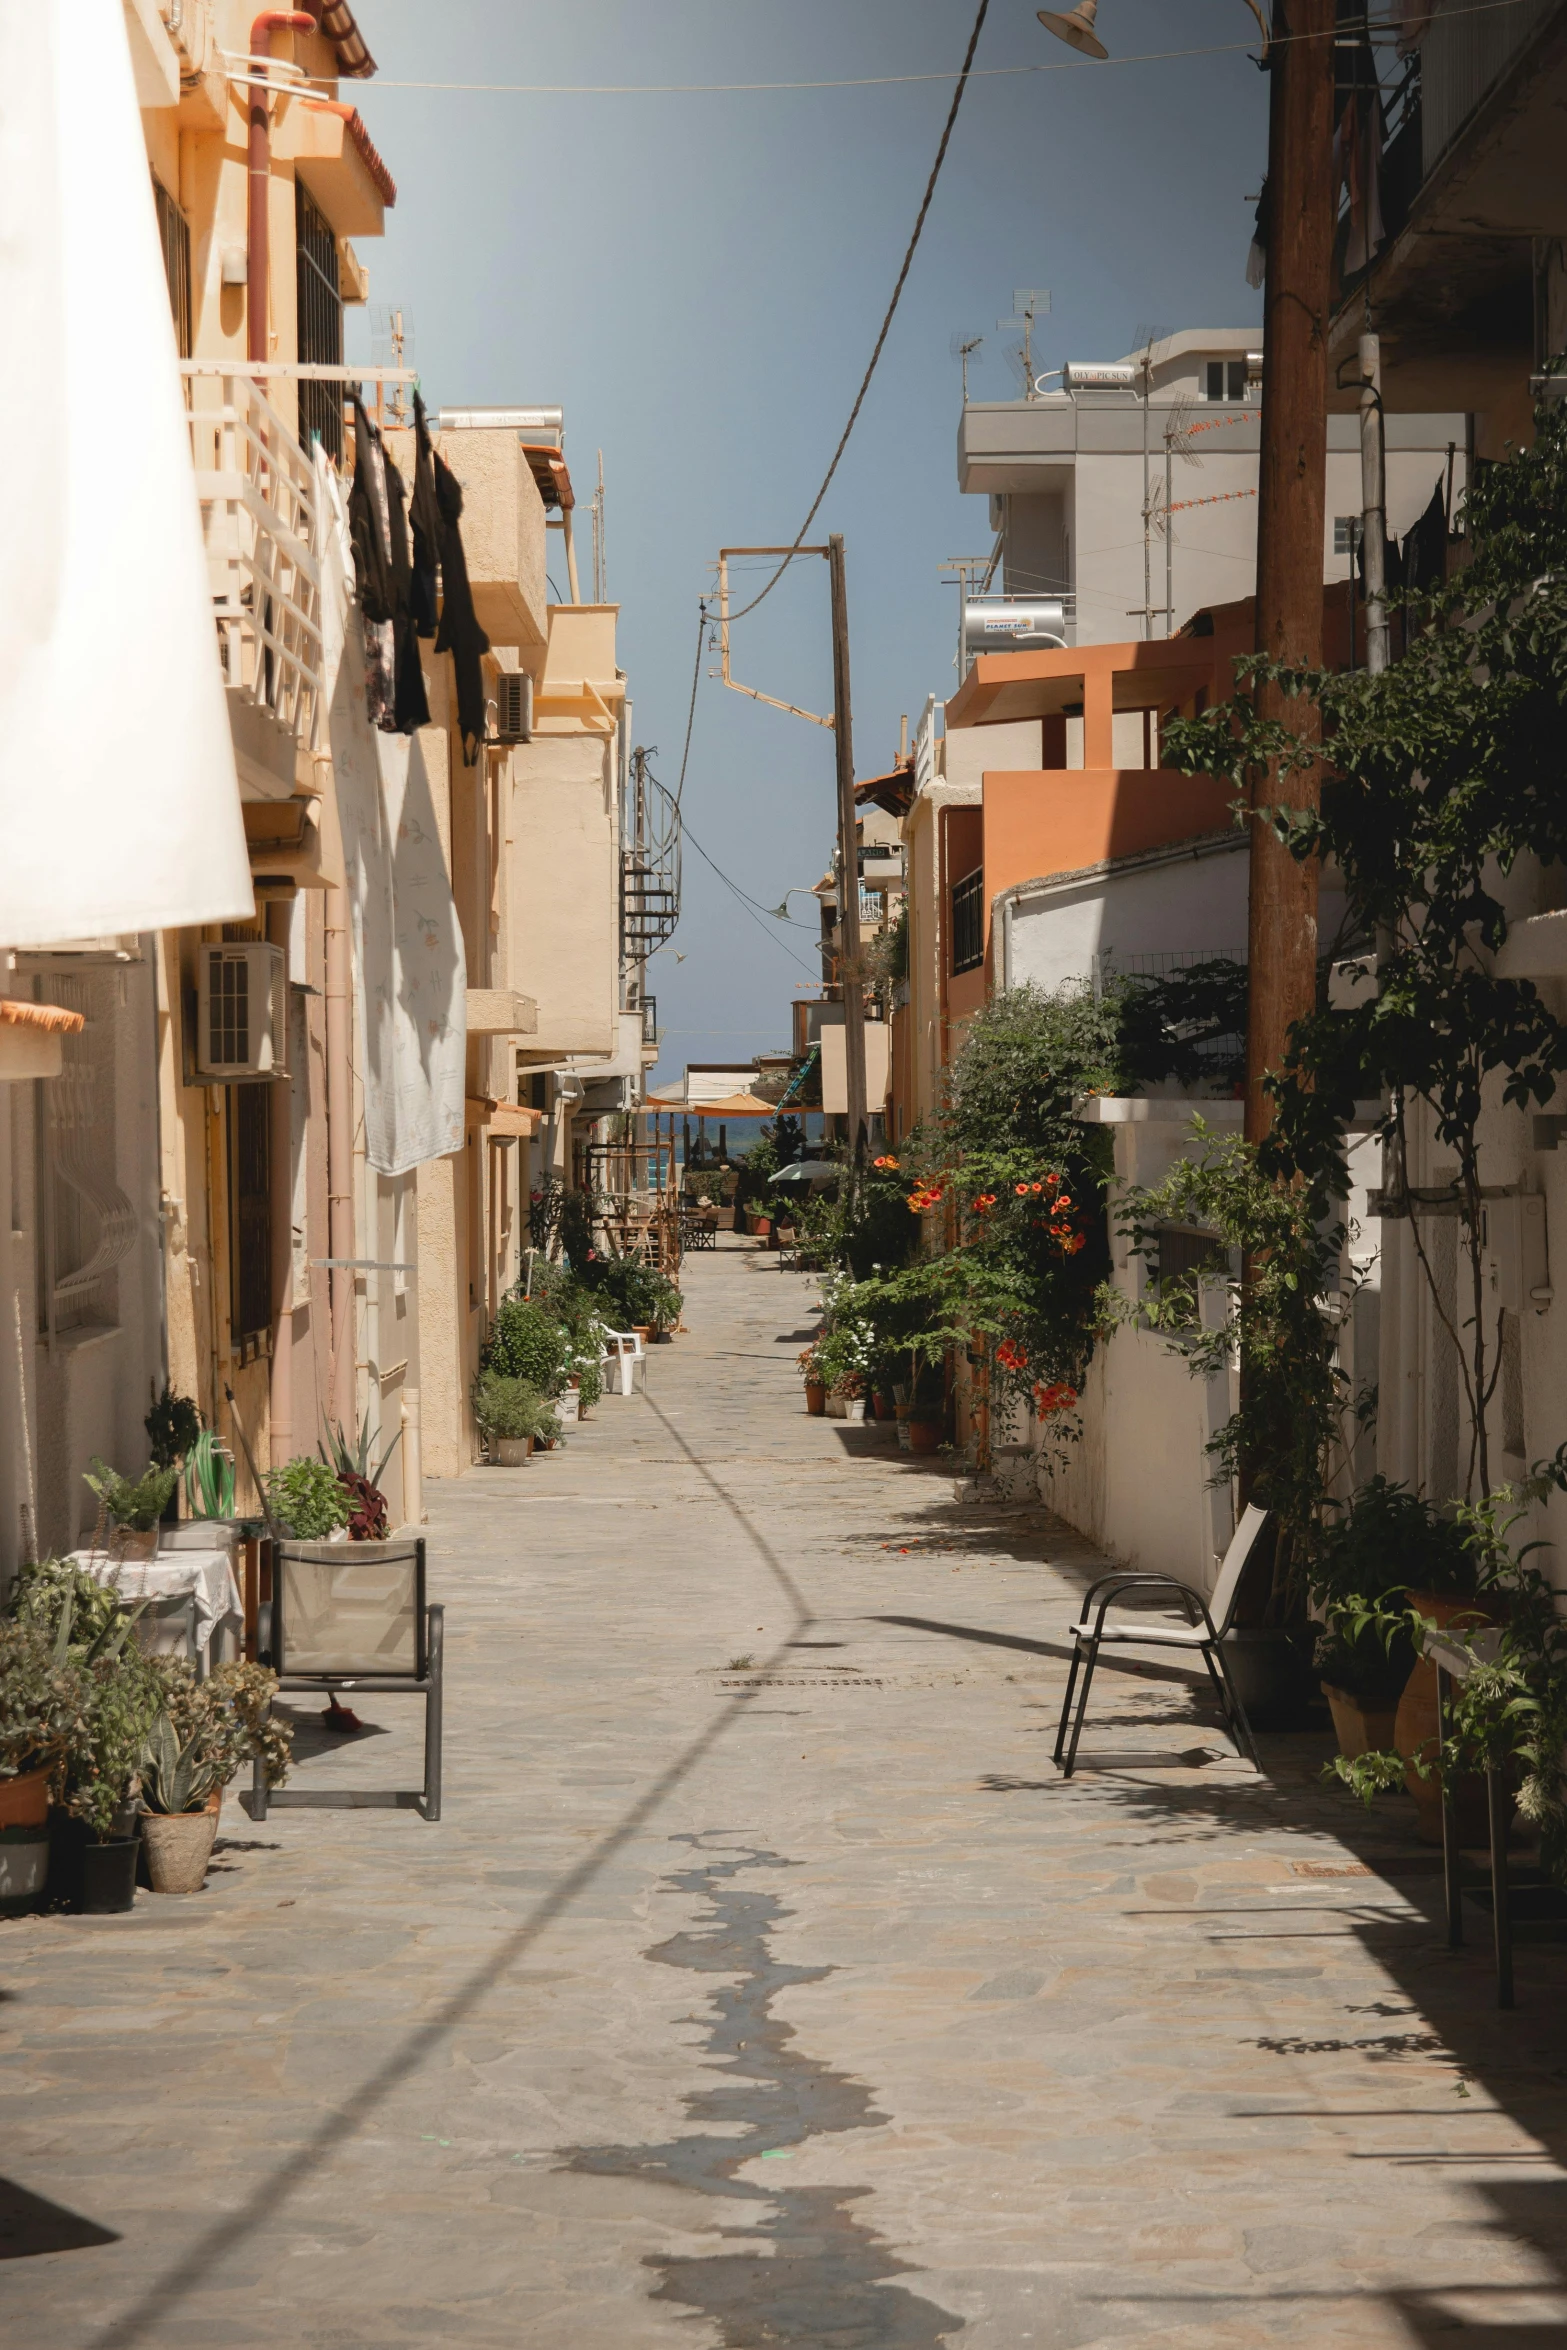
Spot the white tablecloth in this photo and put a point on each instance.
(207, 1575)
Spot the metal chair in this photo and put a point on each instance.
(353, 1615)
(1207, 1622)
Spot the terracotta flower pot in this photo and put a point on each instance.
(816, 1398)
(178, 1846)
(924, 1435)
(1360, 1728)
(24, 1800)
(881, 1407)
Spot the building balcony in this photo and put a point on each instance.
(258, 512)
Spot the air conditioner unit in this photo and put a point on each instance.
(514, 707)
(241, 1011)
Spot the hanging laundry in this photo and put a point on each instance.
(378, 515)
(1358, 145)
(459, 633)
(424, 515)
(1425, 548)
(1257, 255)
(371, 533)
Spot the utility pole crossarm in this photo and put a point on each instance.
(733, 683)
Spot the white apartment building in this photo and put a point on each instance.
(1131, 490)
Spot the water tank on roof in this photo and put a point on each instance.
(1012, 624)
(1081, 375)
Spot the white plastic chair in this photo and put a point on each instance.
(623, 1350)
(1207, 1622)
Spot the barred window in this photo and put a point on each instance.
(968, 922)
(320, 323)
(174, 236)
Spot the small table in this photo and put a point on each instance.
(204, 1577)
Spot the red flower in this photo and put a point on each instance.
(886, 1162)
(1021, 1189)
(1011, 1356)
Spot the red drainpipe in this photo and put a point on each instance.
(272, 20)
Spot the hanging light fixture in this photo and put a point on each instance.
(1076, 29)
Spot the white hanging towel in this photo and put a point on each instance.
(409, 968)
(119, 805)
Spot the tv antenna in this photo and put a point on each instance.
(963, 347)
(391, 344)
(1028, 303)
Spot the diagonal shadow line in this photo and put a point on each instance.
(1061, 1650)
(274, 2192)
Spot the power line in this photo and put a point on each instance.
(751, 906)
(886, 324)
(696, 674)
(890, 81)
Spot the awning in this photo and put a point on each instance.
(894, 792)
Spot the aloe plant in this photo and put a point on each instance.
(354, 1459)
(209, 1478)
(176, 1778)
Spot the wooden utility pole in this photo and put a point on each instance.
(852, 982)
(1292, 483)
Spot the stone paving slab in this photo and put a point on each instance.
(764, 1984)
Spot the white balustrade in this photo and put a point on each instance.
(258, 507)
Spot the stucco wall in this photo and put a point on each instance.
(564, 893)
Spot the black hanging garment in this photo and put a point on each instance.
(378, 524)
(437, 509)
(369, 526)
(424, 516)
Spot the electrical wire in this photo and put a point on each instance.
(1391, 25)
(752, 906)
(886, 324)
(696, 678)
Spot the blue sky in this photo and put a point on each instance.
(698, 279)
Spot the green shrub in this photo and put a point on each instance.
(528, 1343)
(307, 1500)
(628, 1291)
(1384, 1540)
(504, 1406)
(590, 1382)
(204, 1731)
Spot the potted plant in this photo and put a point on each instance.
(590, 1385)
(308, 1502)
(808, 1361)
(351, 1464)
(511, 1415)
(209, 1478)
(201, 1735)
(41, 1700)
(131, 1509)
(173, 1427)
(1376, 1557)
(528, 1342)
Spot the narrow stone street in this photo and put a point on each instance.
(763, 1983)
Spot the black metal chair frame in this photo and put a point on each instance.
(1210, 1648)
(425, 1681)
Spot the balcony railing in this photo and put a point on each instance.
(258, 508)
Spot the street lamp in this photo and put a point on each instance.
(781, 912)
(1078, 31)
